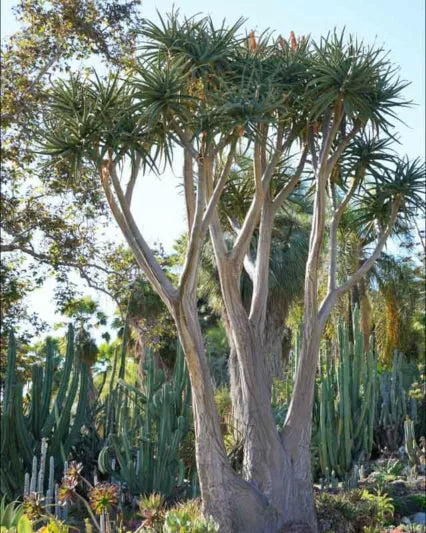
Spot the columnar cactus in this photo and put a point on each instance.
(347, 398)
(395, 404)
(147, 429)
(410, 443)
(47, 426)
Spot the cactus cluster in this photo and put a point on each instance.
(395, 404)
(52, 418)
(145, 431)
(34, 483)
(347, 396)
(410, 444)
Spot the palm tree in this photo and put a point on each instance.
(397, 299)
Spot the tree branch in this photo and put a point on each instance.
(330, 299)
(188, 183)
(134, 174)
(195, 237)
(259, 299)
(290, 186)
(342, 146)
(333, 234)
(312, 148)
(261, 274)
(218, 189)
(329, 134)
(185, 140)
(249, 266)
(143, 253)
(251, 220)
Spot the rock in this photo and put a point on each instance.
(296, 528)
(419, 518)
(398, 487)
(401, 452)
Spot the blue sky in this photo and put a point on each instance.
(397, 26)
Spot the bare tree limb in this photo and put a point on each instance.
(312, 148)
(220, 185)
(331, 297)
(195, 236)
(208, 196)
(185, 140)
(45, 258)
(143, 253)
(188, 183)
(290, 186)
(342, 146)
(249, 266)
(330, 131)
(132, 181)
(259, 298)
(333, 234)
(251, 220)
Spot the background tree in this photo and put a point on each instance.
(398, 296)
(42, 232)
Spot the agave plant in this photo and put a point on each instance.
(152, 510)
(10, 514)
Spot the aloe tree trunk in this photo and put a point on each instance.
(275, 331)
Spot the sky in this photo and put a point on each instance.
(397, 26)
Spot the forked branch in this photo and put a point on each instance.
(137, 243)
(332, 295)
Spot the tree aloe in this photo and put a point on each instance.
(213, 94)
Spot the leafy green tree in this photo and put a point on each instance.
(215, 94)
(42, 232)
(398, 298)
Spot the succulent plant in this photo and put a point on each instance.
(49, 426)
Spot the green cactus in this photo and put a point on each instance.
(395, 404)
(410, 443)
(147, 430)
(347, 398)
(47, 426)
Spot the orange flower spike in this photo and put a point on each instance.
(293, 40)
(252, 41)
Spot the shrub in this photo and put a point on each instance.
(10, 514)
(187, 518)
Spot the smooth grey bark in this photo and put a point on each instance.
(296, 436)
(239, 506)
(267, 466)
